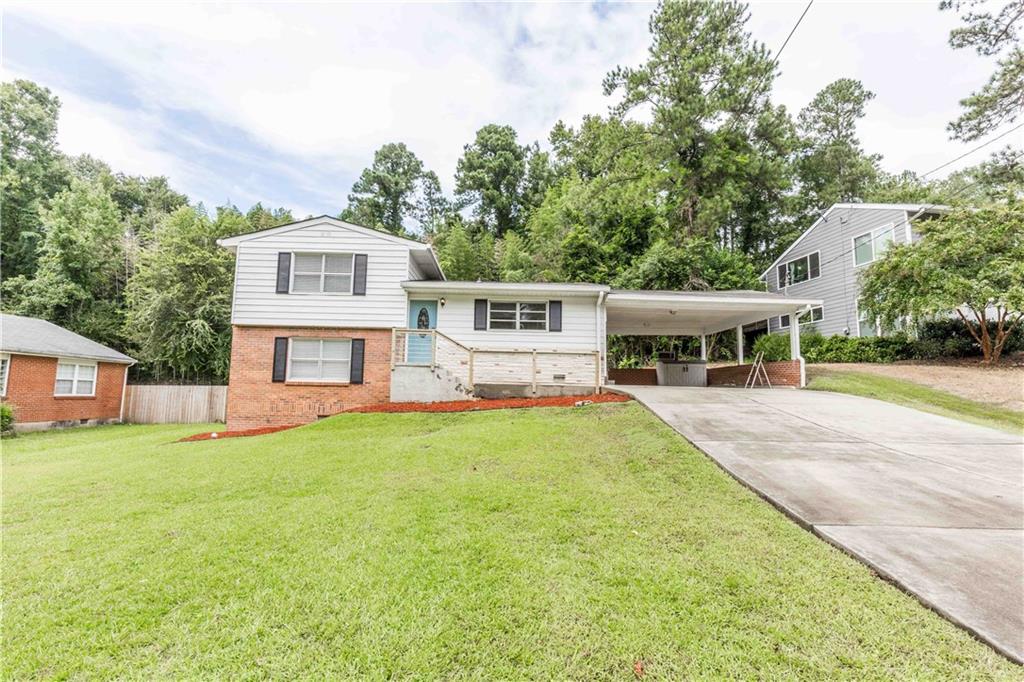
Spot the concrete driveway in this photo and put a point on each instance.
(932, 503)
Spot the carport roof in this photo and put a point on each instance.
(691, 313)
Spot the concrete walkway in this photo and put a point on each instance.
(932, 503)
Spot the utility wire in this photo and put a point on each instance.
(971, 151)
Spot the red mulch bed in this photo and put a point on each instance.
(208, 435)
(501, 404)
(452, 406)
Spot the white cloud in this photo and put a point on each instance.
(323, 85)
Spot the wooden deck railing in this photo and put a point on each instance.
(515, 366)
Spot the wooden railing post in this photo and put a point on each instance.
(394, 344)
(597, 371)
(533, 374)
(472, 357)
(433, 350)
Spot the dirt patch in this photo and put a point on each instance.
(1003, 386)
(452, 406)
(502, 404)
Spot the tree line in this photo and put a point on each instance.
(693, 179)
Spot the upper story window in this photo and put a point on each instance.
(871, 246)
(5, 369)
(328, 360)
(75, 378)
(800, 270)
(322, 273)
(517, 315)
(815, 314)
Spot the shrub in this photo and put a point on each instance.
(6, 419)
(957, 342)
(817, 348)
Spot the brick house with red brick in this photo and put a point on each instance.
(53, 377)
(327, 315)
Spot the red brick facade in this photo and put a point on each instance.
(645, 376)
(30, 384)
(781, 373)
(254, 399)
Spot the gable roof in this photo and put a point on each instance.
(423, 254)
(33, 336)
(916, 208)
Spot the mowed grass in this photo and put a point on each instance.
(919, 397)
(584, 543)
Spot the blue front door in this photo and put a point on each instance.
(422, 315)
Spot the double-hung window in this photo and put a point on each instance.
(517, 315)
(322, 273)
(326, 360)
(75, 378)
(815, 314)
(5, 370)
(800, 269)
(871, 246)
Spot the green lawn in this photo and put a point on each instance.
(545, 543)
(917, 396)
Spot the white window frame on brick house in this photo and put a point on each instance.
(323, 272)
(320, 360)
(517, 318)
(5, 371)
(76, 377)
(873, 236)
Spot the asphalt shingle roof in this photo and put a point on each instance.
(38, 337)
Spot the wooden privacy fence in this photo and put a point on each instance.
(162, 404)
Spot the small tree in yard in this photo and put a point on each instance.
(969, 263)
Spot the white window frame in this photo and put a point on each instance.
(856, 310)
(5, 370)
(810, 318)
(518, 319)
(793, 260)
(77, 364)
(890, 228)
(323, 267)
(288, 366)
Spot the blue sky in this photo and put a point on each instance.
(285, 104)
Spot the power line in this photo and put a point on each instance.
(971, 151)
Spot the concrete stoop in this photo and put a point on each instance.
(414, 384)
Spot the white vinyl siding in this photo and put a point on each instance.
(320, 360)
(74, 378)
(517, 315)
(321, 273)
(256, 301)
(579, 325)
(870, 246)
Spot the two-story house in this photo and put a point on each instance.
(328, 315)
(825, 263)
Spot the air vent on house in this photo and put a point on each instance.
(559, 377)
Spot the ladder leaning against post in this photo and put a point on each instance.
(758, 374)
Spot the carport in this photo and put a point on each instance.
(700, 313)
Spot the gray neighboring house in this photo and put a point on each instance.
(826, 260)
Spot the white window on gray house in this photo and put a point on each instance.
(815, 314)
(5, 369)
(866, 324)
(74, 378)
(799, 270)
(327, 360)
(322, 273)
(517, 315)
(871, 246)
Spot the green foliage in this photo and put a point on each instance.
(179, 301)
(831, 165)
(260, 218)
(514, 263)
(718, 146)
(695, 264)
(816, 348)
(489, 178)
(1001, 99)
(968, 262)
(30, 170)
(6, 419)
(394, 191)
(81, 273)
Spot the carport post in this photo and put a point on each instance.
(794, 344)
(703, 347)
(739, 344)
